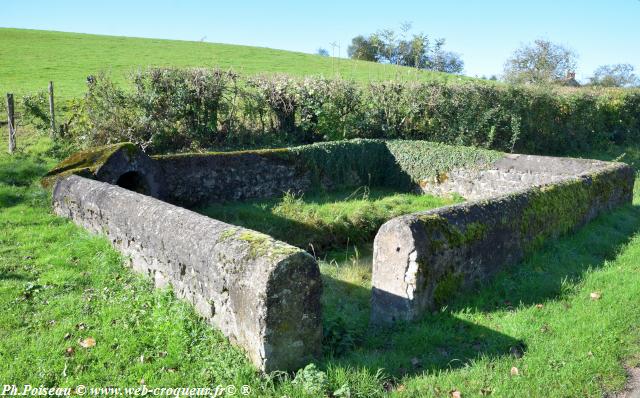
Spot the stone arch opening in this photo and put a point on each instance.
(134, 181)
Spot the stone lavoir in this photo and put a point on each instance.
(263, 294)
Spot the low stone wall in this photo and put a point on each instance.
(261, 293)
(421, 259)
(199, 179)
(264, 294)
(510, 173)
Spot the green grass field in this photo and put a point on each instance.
(29, 59)
(59, 286)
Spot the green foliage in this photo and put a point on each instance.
(106, 115)
(619, 75)
(177, 110)
(345, 163)
(422, 160)
(312, 380)
(186, 107)
(418, 51)
(541, 62)
(279, 92)
(35, 109)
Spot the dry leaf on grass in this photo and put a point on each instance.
(456, 394)
(88, 342)
(595, 296)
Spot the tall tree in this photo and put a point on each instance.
(540, 62)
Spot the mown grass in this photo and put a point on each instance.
(59, 285)
(29, 59)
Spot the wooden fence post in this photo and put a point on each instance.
(52, 111)
(12, 123)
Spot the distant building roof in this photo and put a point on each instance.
(570, 80)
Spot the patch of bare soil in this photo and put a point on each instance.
(632, 389)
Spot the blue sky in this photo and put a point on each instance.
(485, 33)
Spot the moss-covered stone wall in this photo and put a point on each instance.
(261, 293)
(422, 259)
(200, 178)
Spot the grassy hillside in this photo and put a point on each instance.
(30, 58)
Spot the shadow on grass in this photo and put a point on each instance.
(9, 199)
(441, 340)
(14, 276)
(21, 170)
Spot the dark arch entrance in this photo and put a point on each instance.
(134, 181)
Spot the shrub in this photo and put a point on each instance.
(106, 115)
(35, 110)
(172, 110)
(279, 92)
(185, 105)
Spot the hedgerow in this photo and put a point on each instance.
(173, 110)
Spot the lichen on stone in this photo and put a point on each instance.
(448, 285)
(444, 233)
(264, 245)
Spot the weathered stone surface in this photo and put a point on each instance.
(205, 178)
(123, 164)
(511, 173)
(421, 259)
(261, 293)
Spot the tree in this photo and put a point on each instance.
(619, 75)
(323, 52)
(539, 63)
(445, 61)
(418, 51)
(362, 48)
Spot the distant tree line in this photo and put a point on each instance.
(541, 62)
(416, 50)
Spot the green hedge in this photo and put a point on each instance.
(174, 110)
